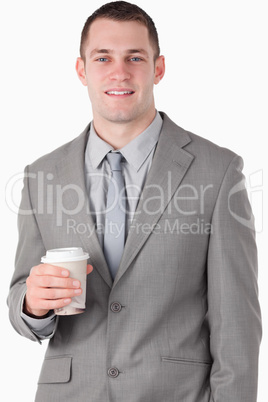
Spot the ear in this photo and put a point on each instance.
(80, 69)
(159, 69)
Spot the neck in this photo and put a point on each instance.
(120, 134)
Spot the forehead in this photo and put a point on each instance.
(110, 34)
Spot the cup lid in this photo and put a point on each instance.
(64, 255)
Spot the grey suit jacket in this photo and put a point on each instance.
(181, 321)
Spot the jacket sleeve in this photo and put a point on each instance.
(233, 307)
(29, 251)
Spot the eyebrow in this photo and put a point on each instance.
(110, 51)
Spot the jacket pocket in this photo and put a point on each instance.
(177, 360)
(56, 370)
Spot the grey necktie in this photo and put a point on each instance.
(115, 219)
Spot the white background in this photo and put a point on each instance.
(215, 85)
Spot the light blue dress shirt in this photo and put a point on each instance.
(136, 162)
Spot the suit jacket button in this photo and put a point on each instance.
(116, 307)
(113, 372)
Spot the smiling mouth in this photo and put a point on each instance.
(119, 93)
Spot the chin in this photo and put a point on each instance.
(121, 117)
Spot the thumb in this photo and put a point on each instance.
(89, 269)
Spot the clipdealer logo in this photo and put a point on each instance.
(50, 198)
(188, 200)
(254, 188)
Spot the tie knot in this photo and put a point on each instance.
(114, 159)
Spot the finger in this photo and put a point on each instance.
(89, 269)
(52, 282)
(47, 269)
(54, 293)
(46, 305)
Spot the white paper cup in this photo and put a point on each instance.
(75, 260)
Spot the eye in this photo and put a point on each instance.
(135, 59)
(102, 59)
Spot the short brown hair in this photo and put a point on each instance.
(122, 11)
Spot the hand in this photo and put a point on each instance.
(49, 287)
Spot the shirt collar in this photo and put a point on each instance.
(135, 152)
(138, 150)
(97, 148)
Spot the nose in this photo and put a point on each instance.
(119, 72)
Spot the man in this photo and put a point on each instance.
(174, 315)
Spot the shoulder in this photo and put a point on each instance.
(71, 149)
(207, 154)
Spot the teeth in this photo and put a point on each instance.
(119, 92)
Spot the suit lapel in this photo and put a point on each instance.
(72, 178)
(169, 166)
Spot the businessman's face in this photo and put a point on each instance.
(120, 71)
